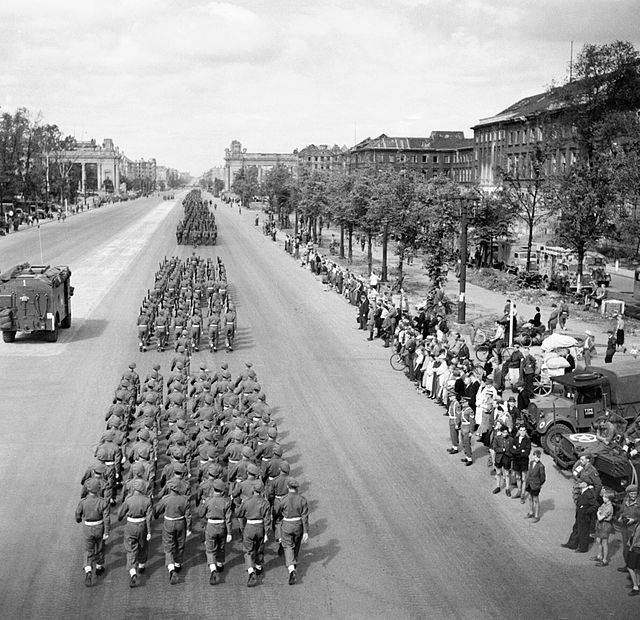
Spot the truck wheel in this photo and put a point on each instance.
(66, 322)
(52, 336)
(551, 439)
(8, 336)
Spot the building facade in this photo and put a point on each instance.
(236, 158)
(322, 157)
(99, 166)
(446, 153)
(512, 139)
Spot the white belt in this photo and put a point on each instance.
(94, 522)
(234, 462)
(203, 462)
(279, 496)
(265, 460)
(108, 462)
(254, 521)
(173, 518)
(292, 519)
(215, 521)
(136, 519)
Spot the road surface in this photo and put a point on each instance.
(399, 528)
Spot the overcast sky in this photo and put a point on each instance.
(179, 79)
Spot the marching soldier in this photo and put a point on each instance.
(217, 510)
(137, 531)
(293, 513)
(93, 512)
(257, 513)
(176, 527)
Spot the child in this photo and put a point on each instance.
(604, 528)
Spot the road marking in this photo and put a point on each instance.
(94, 278)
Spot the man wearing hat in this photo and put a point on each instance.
(93, 512)
(96, 471)
(111, 456)
(586, 508)
(176, 527)
(256, 513)
(217, 511)
(628, 519)
(292, 512)
(137, 531)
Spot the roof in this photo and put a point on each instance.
(547, 101)
(438, 140)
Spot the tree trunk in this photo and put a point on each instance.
(385, 239)
(350, 238)
(401, 247)
(342, 240)
(369, 254)
(529, 244)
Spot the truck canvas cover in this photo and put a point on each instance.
(624, 379)
(53, 276)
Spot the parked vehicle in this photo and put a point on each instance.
(580, 397)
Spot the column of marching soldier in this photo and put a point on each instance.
(222, 460)
(175, 307)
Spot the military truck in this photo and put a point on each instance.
(580, 397)
(35, 298)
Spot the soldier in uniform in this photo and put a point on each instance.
(93, 512)
(257, 515)
(230, 320)
(217, 510)
(137, 532)
(176, 527)
(292, 512)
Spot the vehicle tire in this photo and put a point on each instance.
(482, 352)
(542, 387)
(8, 336)
(52, 336)
(396, 361)
(66, 322)
(551, 438)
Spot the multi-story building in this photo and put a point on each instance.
(446, 153)
(530, 128)
(236, 158)
(321, 157)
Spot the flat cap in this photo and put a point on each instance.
(92, 485)
(139, 485)
(252, 469)
(219, 485)
(632, 488)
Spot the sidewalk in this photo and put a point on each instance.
(483, 305)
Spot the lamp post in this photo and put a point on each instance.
(462, 302)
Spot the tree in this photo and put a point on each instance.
(524, 194)
(491, 217)
(598, 107)
(278, 185)
(313, 200)
(245, 184)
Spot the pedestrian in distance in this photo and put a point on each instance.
(94, 513)
(536, 477)
(293, 513)
(611, 347)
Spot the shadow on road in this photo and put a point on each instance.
(88, 330)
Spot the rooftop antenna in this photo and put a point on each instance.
(571, 64)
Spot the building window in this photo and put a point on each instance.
(392, 159)
(435, 159)
(424, 159)
(414, 159)
(447, 159)
(563, 162)
(510, 137)
(539, 132)
(573, 158)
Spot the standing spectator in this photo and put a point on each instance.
(536, 477)
(620, 332)
(515, 367)
(563, 315)
(588, 346)
(586, 507)
(611, 347)
(528, 371)
(501, 447)
(633, 561)
(628, 518)
(520, 449)
(373, 280)
(455, 412)
(552, 323)
(604, 528)
(466, 428)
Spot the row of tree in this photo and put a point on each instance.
(37, 163)
(594, 198)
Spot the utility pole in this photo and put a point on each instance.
(463, 261)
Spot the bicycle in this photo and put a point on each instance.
(397, 362)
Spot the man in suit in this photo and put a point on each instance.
(586, 507)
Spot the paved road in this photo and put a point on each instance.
(398, 527)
